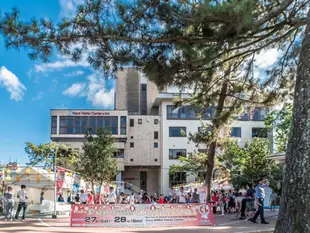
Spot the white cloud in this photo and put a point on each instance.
(94, 90)
(38, 96)
(59, 65)
(68, 7)
(103, 99)
(75, 73)
(9, 81)
(267, 58)
(77, 89)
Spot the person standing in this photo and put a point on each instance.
(23, 197)
(248, 201)
(77, 198)
(8, 204)
(112, 196)
(139, 198)
(260, 196)
(90, 198)
(182, 196)
(60, 199)
(273, 201)
(132, 199)
(195, 197)
(97, 199)
(214, 202)
(69, 198)
(221, 202)
(41, 198)
(83, 197)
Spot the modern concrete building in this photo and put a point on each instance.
(134, 93)
(149, 140)
(175, 144)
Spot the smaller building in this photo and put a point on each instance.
(136, 138)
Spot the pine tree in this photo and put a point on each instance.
(188, 44)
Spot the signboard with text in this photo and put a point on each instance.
(88, 113)
(142, 215)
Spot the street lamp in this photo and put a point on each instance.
(55, 188)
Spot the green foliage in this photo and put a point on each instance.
(249, 163)
(97, 164)
(194, 164)
(44, 154)
(279, 121)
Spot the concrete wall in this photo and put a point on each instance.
(152, 92)
(133, 175)
(121, 91)
(142, 135)
(133, 91)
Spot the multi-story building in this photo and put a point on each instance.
(134, 93)
(174, 121)
(148, 137)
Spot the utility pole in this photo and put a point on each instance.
(55, 180)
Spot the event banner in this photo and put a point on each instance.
(143, 215)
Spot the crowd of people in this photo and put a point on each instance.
(112, 197)
(8, 203)
(249, 203)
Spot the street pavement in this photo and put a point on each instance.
(223, 225)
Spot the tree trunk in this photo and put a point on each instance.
(210, 167)
(212, 147)
(294, 216)
(100, 186)
(93, 190)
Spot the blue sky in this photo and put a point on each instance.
(29, 89)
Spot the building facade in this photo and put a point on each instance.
(149, 138)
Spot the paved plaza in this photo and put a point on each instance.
(223, 224)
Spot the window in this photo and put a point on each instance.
(245, 116)
(155, 144)
(177, 131)
(79, 125)
(93, 124)
(132, 122)
(66, 125)
(209, 113)
(235, 132)
(204, 130)
(119, 153)
(183, 112)
(155, 134)
(132, 145)
(176, 153)
(259, 114)
(155, 121)
(177, 179)
(54, 125)
(139, 121)
(259, 133)
(203, 151)
(143, 99)
(123, 125)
